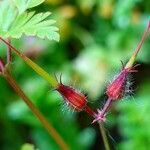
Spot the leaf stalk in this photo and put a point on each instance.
(50, 79)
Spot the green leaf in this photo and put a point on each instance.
(14, 22)
(22, 5)
(34, 25)
(33, 3)
(7, 15)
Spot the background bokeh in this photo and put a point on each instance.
(95, 36)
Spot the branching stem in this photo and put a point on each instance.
(50, 79)
(106, 106)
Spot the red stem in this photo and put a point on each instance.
(89, 111)
(106, 106)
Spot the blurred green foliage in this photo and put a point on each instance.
(27, 146)
(134, 120)
(95, 36)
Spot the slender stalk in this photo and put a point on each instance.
(9, 52)
(104, 136)
(101, 115)
(51, 130)
(106, 107)
(142, 39)
(89, 111)
(52, 81)
(133, 57)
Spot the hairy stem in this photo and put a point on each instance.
(104, 136)
(51, 130)
(52, 81)
(106, 106)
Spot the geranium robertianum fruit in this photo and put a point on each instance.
(77, 100)
(74, 99)
(117, 88)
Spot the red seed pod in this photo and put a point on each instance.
(74, 98)
(116, 90)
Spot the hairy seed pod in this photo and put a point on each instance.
(72, 97)
(116, 90)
